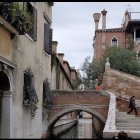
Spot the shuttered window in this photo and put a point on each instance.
(29, 92)
(33, 32)
(47, 39)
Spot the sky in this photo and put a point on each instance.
(74, 28)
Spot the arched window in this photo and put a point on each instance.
(114, 42)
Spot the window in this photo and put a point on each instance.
(32, 10)
(30, 97)
(47, 39)
(29, 92)
(114, 42)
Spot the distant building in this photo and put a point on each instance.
(75, 78)
(128, 33)
(62, 76)
(62, 73)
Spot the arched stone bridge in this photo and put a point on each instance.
(93, 102)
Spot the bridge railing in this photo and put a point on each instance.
(110, 126)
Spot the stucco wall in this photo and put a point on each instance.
(61, 79)
(5, 43)
(29, 53)
(66, 67)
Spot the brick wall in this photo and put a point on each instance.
(123, 85)
(85, 98)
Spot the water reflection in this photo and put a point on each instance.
(83, 129)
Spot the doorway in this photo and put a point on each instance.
(4, 86)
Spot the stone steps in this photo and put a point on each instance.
(126, 121)
(125, 118)
(123, 114)
(129, 128)
(129, 124)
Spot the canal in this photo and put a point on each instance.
(81, 130)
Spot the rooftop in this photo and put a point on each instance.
(112, 30)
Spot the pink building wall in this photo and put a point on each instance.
(109, 35)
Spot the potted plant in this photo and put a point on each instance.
(16, 16)
(30, 98)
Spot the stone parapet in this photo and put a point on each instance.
(110, 126)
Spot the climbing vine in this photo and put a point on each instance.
(47, 100)
(30, 98)
(16, 16)
(53, 60)
(55, 63)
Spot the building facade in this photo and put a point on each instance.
(62, 73)
(128, 33)
(25, 63)
(62, 77)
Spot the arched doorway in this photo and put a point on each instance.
(4, 82)
(4, 104)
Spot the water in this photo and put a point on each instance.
(81, 130)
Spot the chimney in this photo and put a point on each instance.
(104, 19)
(96, 17)
(126, 17)
(60, 57)
(54, 46)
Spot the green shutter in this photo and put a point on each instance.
(35, 24)
(33, 31)
(50, 40)
(46, 38)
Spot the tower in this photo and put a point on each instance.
(96, 17)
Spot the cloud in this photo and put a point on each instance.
(73, 26)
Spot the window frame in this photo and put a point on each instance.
(114, 44)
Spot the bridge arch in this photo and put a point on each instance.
(67, 110)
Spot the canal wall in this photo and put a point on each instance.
(63, 124)
(97, 128)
